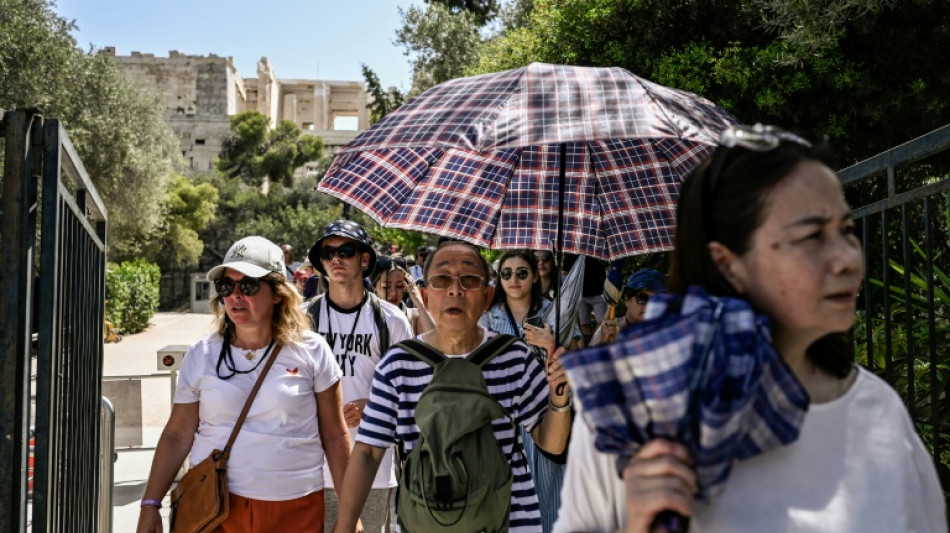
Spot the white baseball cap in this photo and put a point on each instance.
(252, 256)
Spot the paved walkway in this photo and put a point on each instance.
(137, 355)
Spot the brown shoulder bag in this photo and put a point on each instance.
(200, 501)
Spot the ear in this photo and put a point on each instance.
(729, 265)
(424, 291)
(489, 294)
(364, 260)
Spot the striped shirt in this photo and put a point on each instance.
(515, 379)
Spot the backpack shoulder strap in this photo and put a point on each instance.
(381, 327)
(314, 311)
(422, 351)
(488, 351)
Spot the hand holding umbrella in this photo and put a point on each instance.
(699, 370)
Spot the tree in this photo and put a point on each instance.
(254, 152)
(383, 101)
(118, 131)
(481, 10)
(443, 44)
(189, 207)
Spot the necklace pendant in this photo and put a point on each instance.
(249, 356)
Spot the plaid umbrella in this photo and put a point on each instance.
(700, 370)
(506, 160)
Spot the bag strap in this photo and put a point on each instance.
(422, 351)
(493, 347)
(314, 311)
(226, 452)
(382, 329)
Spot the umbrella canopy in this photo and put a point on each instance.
(700, 370)
(498, 160)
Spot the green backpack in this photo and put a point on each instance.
(457, 477)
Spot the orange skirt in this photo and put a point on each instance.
(257, 516)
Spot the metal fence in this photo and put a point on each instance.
(900, 201)
(52, 281)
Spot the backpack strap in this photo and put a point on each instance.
(495, 346)
(382, 328)
(314, 311)
(422, 351)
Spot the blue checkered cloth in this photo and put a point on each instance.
(700, 370)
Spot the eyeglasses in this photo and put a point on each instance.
(641, 297)
(248, 286)
(522, 273)
(758, 138)
(467, 282)
(345, 251)
(386, 263)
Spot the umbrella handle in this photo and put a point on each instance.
(669, 522)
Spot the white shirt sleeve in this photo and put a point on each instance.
(593, 497)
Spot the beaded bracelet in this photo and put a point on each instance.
(151, 503)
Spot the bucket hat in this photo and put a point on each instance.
(348, 230)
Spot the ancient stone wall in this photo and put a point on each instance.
(201, 93)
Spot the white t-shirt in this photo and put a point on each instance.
(278, 454)
(858, 466)
(355, 342)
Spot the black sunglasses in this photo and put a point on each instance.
(542, 258)
(386, 263)
(641, 297)
(522, 273)
(248, 286)
(345, 251)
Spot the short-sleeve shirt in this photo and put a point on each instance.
(354, 340)
(278, 454)
(515, 380)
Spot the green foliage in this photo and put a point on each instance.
(383, 101)
(443, 44)
(118, 130)
(254, 152)
(188, 208)
(133, 294)
(481, 10)
(857, 71)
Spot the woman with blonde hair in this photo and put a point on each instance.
(275, 472)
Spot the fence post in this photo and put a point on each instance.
(22, 132)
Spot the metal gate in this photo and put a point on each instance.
(52, 282)
(900, 202)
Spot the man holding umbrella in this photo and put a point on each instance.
(456, 294)
(359, 327)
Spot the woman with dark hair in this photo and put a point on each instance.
(516, 309)
(392, 282)
(275, 472)
(765, 220)
(546, 273)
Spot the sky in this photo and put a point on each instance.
(309, 39)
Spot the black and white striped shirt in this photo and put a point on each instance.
(515, 379)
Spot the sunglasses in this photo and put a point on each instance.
(248, 286)
(386, 263)
(543, 258)
(345, 251)
(641, 297)
(757, 138)
(467, 282)
(522, 273)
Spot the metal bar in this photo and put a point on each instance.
(931, 329)
(868, 324)
(919, 148)
(917, 194)
(886, 278)
(17, 240)
(908, 314)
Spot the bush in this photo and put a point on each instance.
(133, 294)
